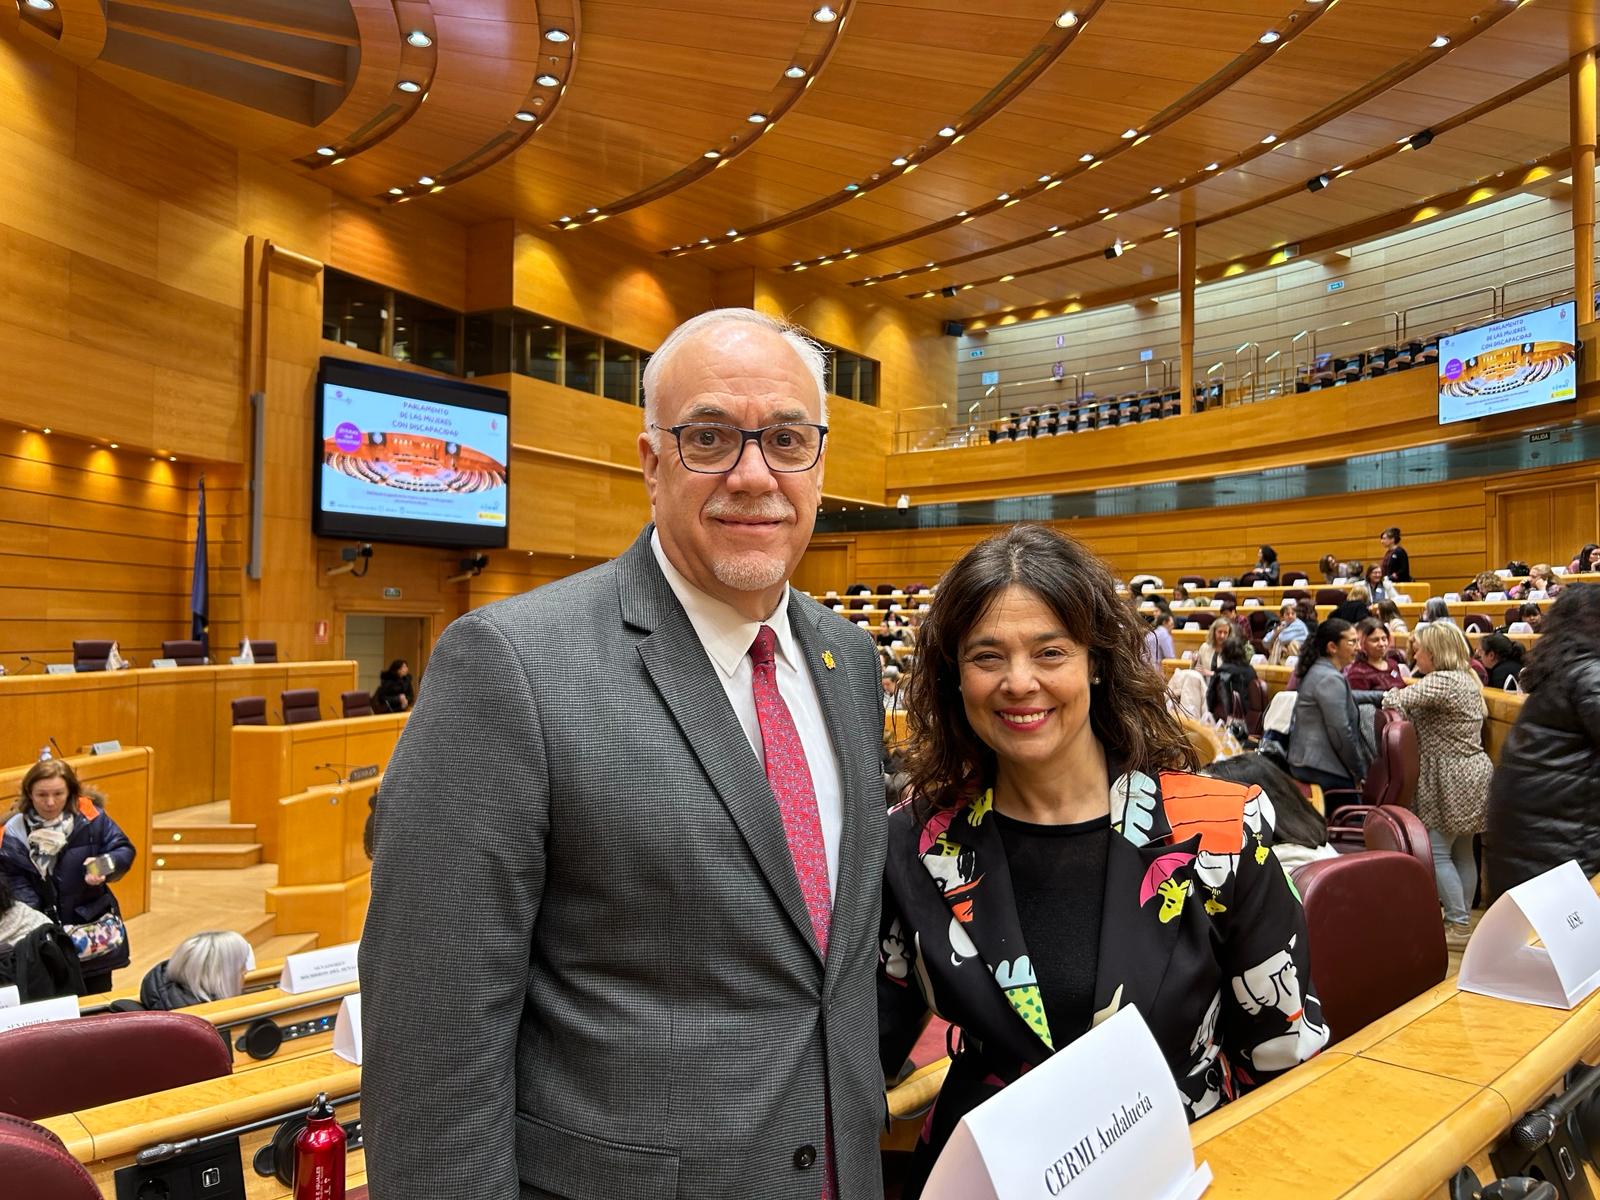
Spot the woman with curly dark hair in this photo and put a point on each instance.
(1058, 859)
(1544, 800)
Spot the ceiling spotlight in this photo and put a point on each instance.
(1317, 182)
(1269, 37)
(795, 73)
(1085, 158)
(757, 118)
(1007, 278)
(1269, 139)
(705, 241)
(852, 187)
(548, 81)
(1104, 211)
(46, 429)
(948, 290)
(1003, 196)
(394, 191)
(114, 445)
(948, 131)
(419, 39)
(557, 35)
(172, 458)
(591, 211)
(1053, 229)
(326, 151)
(1115, 249)
(409, 85)
(1440, 42)
(40, 5)
(733, 233)
(711, 154)
(426, 180)
(1067, 20)
(1155, 191)
(1130, 133)
(1421, 138)
(825, 15)
(523, 114)
(899, 162)
(1169, 231)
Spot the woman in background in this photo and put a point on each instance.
(207, 966)
(1587, 561)
(1389, 614)
(1326, 747)
(1374, 670)
(1357, 607)
(1501, 657)
(1209, 655)
(1267, 565)
(394, 692)
(1435, 610)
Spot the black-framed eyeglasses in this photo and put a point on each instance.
(712, 448)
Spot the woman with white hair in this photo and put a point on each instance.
(207, 966)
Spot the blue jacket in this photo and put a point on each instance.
(66, 896)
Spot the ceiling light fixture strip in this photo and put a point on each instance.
(553, 71)
(805, 64)
(1346, 104)
(993, 102)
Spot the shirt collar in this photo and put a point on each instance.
(726, 633)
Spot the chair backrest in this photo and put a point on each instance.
(1332, 595)
(1203, 617)
(250, 710)
(356, 704)
(301, 705)
(91, 655)
(1392, 777)
(63, 1066)
(1296, 593)
(1258, 618)
(1295, 577)
(186, 653)
(1390, 827)
(1474, 623)
(1376, 937)
(1255, 707)
(34, 1163)
(263, 651)
(1192, 580)
(1219, 597)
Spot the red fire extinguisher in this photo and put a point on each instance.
(319, 1151)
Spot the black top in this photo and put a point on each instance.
(1397, 564)
(1058, 875)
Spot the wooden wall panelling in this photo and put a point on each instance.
(1543, 522)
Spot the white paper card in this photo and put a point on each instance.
(163, 664)
(347, 1030)
(62, 1008)
(1100, 1120)
(319, 968)
(1561, 909)
(239, 660)
(1191, 624)
(10, 997)
(1258, 583)
(60, 669)
(1494, 596)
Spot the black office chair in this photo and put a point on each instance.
(91, 655)
(186, 653)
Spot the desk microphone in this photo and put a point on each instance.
(1533, 1130)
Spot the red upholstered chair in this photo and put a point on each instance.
(250, 710)
(186, 653)
(1297, 593)
(356, 704)
(1293, 577)
(262, 651)
(1332, 595)
(1473, 623)
(1192, 580)
(1203, 617)
(301, 705)
(35, 1164)
(63, 1066)
(91, 655)
(1376, 938)
(1391, 779)
(1219, 597)
(1390, 827)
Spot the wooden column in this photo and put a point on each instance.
(1186, 271)
(1582, 110)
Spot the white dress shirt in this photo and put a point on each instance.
(727, 636)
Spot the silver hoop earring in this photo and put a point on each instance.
(1096, 679)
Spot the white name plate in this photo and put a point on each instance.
(319, 968)
(1100, 1120)
(163, 664)
(10, 997)
(62, 1008)
(1561, 910)
(60, 669)
(347, 1030)
(111, 747)
(239, 660)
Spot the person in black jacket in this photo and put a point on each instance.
(50, 853)
(1544, 801)
(1231, 679)
(207, 966)
(394, 692)
(1396, 562)
(1501, 657)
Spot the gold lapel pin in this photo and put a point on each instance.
(827, 659)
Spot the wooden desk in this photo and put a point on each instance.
(270, 762)
(1504, 709)
(126, 778)
(184, 715)
(324, 875)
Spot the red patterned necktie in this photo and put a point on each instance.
(790, 777)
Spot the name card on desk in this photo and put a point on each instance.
(62, 1008)
(1561, 909)
(60, 669)
(10, 997)
(111, 747)
(347, 1030)
(163, 664)
(239, 660)
(319, 968)
(1100, 1120)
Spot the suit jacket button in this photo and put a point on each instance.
(805, 1156)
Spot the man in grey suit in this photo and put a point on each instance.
(622, 939)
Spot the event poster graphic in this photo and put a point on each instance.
(412, 460)
(1509, 365)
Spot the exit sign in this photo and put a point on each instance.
(1336, 285)
(391, 593)
(974, 353)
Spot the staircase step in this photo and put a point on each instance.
(203, 856)
(282, 945)
(219, 834)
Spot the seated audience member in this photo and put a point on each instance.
(1374, 670)
(204, 967)
(1228, 613)
(1377, 587)
(1180, 595)
(1587, 561)
(1326, 747)
(1207, 657)
(1482, 585)
(50, 856)
(895, 628)
(1284, 638)
(1301, 833)
(891, 689)
(394, 692)
(1328, 568)
(1187, 690)
(1231, 679)
(1267, 565)
(1389, 614)
(1446, 706)
(1396, 563)
(1529, 614)
(1051, 832)
(1501, 657)
(1541, 580)
(1435, 610)
(1158, 642)
(1544, 802)
(1352, 569)
(1358, 607)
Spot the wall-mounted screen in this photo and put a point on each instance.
(405, 457)
(1517, 363)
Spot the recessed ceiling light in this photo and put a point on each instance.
(948, 131)
(711, 154)
(425, 180)
(899, 162)
(1053, 229)
(1155, 191)
(824, 14)
(1270, 36)
(962, 213)
(1269, 139)
(172, 458)
(419, 39)
(40, 5)
(548, 81)
(1440, 42)
(394, 191)
(757, 118)
(523, 114)
(1130, 133)
(1067, 20)
(563, 217)
(795, 73)
(591, 211)
(1085, 158)
(705, 241)
(409, 85)
(1168, 231)
(326, 151)
(733, 233)
(1003, 196)
(1007, 278)
(47, 429)
(1104, 211)
(1044, 179)
(1212, 166)
(114, 445)
(557, 35)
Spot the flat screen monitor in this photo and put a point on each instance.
(1517, 363)
(405, 457)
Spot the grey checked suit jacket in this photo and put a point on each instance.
(587, 969)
